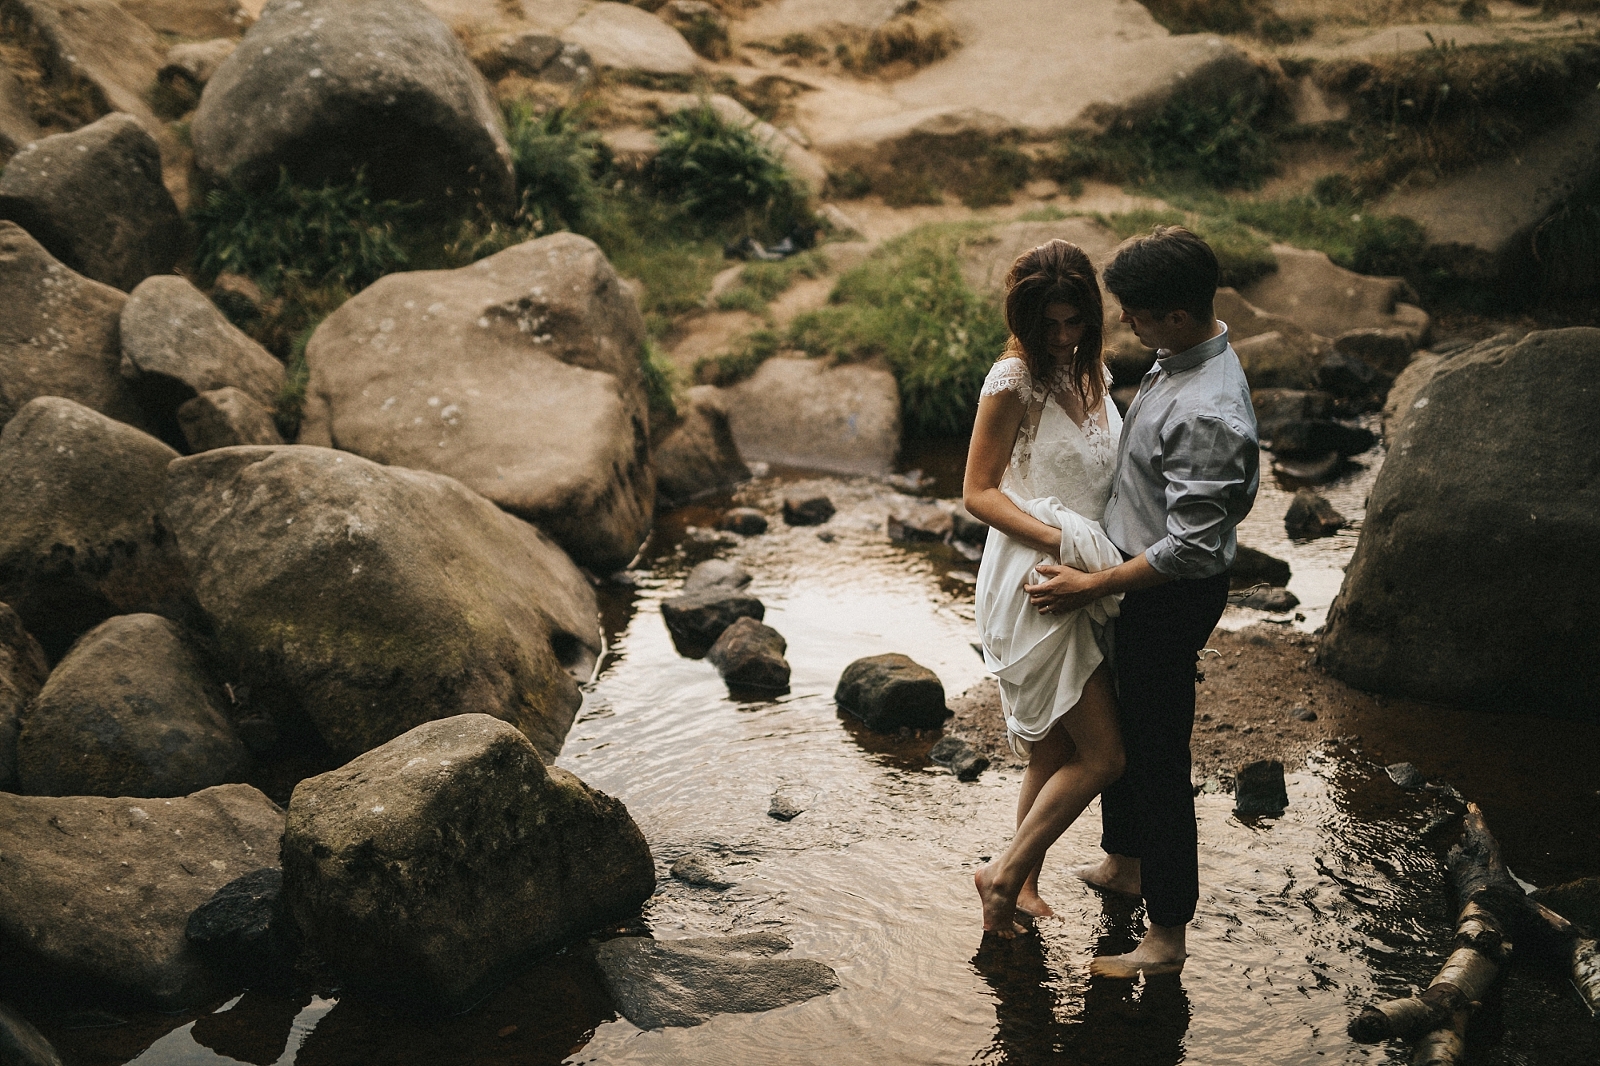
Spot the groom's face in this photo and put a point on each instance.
(1157, 331)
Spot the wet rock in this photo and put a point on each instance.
(750, 655)
(805, 413)
(1276, 600)
(807, 511)
(965, 761)
(21, 1044)
(1252, 567)
(94, 199)
(1354, 382)
(656, 984)
(911, 483)
(1495, 462)
(83, 537)
(23, 670)
(131, 711)
(785, 807)
(1387, 350)
(925, 522)
(241, 929)
(192, 63)
(1259, 788)
(745, 521)
(695, 869)
(1303, 714)
(965, 528)
(698, 455)
(623, 37)
(518, 376)
(697, 619)
(1316, 438)
(891, 691)
(716, 574)
(1280, 360)
(1576, 901)
(1406, 775)
(413, 112)
(98, 891)
(1275, 408)
(58, 334)
(429, 600)
(1310, 516)
(430, 867)
(1313, 469)
(1329, 300)
(175, 341)
(224, 418)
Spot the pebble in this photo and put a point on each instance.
(695, 868)
(808, 511)
(1303, 714)
(1260, 789)
(745, 521)
(784, 807)
(1406, 775)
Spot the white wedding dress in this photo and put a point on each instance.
(1060, 472)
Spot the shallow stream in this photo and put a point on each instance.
(1303, 918)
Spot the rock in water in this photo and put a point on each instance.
(924, 522)
(97, 891)
(716, 574)
(377, 85)
(23, 670)
(750, 655)
(807, 511)
(1260, 789)
(241, 930)
(224, 418)
(1491, 470)
(745, 521)
(518, 375)
(697, 619)
(21, 1044)
(58, 334)
(176, 341)
(698, 455)
(965, 761)
(131, 711)
(890, 691)
(1310, 516)
(660, 983)
(695, 868)
(1275, 600)
(1406, 775)
(83, 537)
(803, 412)
(374, 598)
(1251, 567)
(94, 198)
(431, 866)
(784, 806)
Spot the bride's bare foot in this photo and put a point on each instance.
(1031, 905)
(1114, 873)
(1161, 951)
(999, 910)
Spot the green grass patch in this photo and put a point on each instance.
(660, 383)
(979, 169)
(1242, 254)
(672, 258)
(1221, 144)
(729, 368)
(761, 283)
(555, 160)
(1352, 236)
(722, 174)
(909, 305)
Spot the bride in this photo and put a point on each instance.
(1039, 473)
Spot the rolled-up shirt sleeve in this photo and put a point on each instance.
(1211, 468)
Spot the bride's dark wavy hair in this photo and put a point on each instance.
(1057, 272)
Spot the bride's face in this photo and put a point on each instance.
(1063, 329)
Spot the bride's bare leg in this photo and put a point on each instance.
(1094, 762)
(1049, 755)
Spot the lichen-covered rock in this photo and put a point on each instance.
(750, 655)
(429, 867)
(176, 340)
(518, 375)
(1491, 471)
(890, 691)
(326, 87)
(97, 891)
(373, 598)
(22, 671)
(59, 334)
(131, 711)
(224, 418)
(94, 198)
(698, 455)
(83, 538)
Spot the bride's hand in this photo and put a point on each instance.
(1063, 589)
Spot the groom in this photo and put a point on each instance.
(1186, 475)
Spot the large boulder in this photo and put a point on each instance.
(131, 711)
(23, 669)
(97, 891)
(177, 344)
(372, 599)
(518, 375)
(431, 866)
(83, 537)
(623, 37)
(805, 413)
(698, 455)
(1320, 296)
(1490, 478)
(94, 198)
(326, 87)
(58, 333)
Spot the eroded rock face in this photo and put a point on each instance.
(802, 412)
(83, 538)
(58, 333)
(376, 84)
(699, 454)
(17, 127)
(97, 891)
(174, 335)
(1494, 473)
(518, 376)
(22, 671)
(431, 865)
(372, 598)
(191, 18)
(1311, 290)
(131, 711)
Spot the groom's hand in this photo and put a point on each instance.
(1063, 589)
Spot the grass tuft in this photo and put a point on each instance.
(1221, 144)
(721, 173)
(761, 283)
(660, 383)
(1243, 254)
(729, 368)
(555, 160)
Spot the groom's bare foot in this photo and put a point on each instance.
(1114, 873)
(1161, 951)
(999, 910)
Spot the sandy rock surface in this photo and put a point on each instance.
(802, 412)
(224, 418)
(624, 37)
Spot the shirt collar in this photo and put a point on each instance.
(1193, 357)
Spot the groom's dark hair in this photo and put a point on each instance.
(1168, 269)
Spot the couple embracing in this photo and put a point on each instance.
(1106, 567)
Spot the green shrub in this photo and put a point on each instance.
(1223, 144)
(555, 161)
(1242, 254)
(721, 173)
(659, 381)
(1215, 16)
(909, 305)
(980, 169)
(1353, 237)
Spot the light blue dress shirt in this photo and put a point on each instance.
(1189, 462)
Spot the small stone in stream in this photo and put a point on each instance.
(1350, 377)
(1252, 567)
(21, 1044)
(696, 620)
(1308, 438)
(709, 538)
(1276, 601)
(716, 574)
(696, 869)
(1310, 516)
(825, 536)
(750, 655)
(968, 530)
(924, 522)
(807, 511)
(968, 764)
(1315, 470)
(962, 577)
(912, 482)
(890, 691)
(1303, 714)
(1406, 776)
(1260, 789)
(745, 521)
(945, 749)
(784, 807)
(238, 930)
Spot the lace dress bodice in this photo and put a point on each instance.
(1054, 455)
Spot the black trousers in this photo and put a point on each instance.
(1149, 813)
